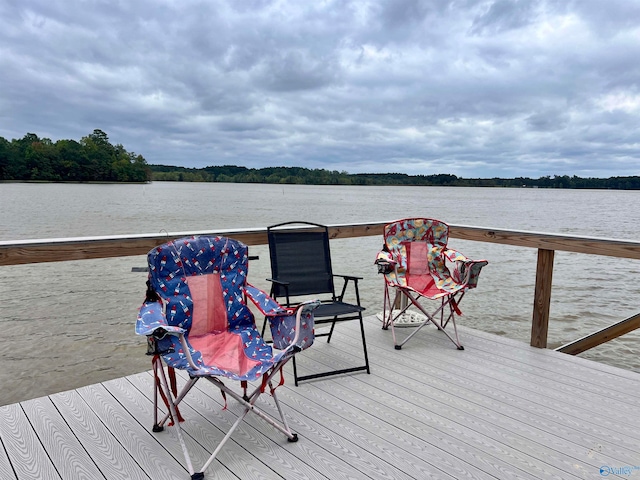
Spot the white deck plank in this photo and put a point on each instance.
(262, 442)
(145, 449)
(410, 455)
(207, 426)
(67, 454)
(24, 450)
(341, 457)
(597, 372)
(544, 388)
(106, 451)
(141, 408)
(600, 439)
(6, 470)
(499, 409)
(408, 410)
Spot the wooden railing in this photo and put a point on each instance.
(601, 336)
(21, 252)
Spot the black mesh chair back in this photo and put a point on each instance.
(303, 260)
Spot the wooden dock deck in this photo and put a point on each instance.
(500, 409)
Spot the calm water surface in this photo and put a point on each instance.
(68, 324)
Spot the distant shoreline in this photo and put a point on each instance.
(490, 183)
(92, 182)
(305, 176)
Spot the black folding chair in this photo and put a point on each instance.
(301, 266)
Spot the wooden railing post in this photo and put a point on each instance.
(542, 299)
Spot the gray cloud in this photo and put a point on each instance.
(505, 15)
(474, 88)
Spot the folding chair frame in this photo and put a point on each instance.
(168, 391)
(167, 333)
(365, 367)
(172, 400)
(394, 262)
(390, 315)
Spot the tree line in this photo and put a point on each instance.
(95, 159)
(92, 159)
(300, 175)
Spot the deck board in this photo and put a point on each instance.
(25, 452)
(63, 447)
(151, 452)
(100, 444)
(477, 443)
(499, 409)
(593, 420)
(5, 465)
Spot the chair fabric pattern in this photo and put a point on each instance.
(283, 331)
(230, 346)
(403, 237)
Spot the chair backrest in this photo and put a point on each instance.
(429, 230)
(417, 245)
(201, 280)
(300, 257)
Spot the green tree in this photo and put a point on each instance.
(100, 154)
(17, 168)
(42, 160)
(73, 161)
(4, 157)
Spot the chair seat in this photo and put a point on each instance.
(426, 286)
(336, 308)
(240, 355)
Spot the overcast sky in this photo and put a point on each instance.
(473, 88)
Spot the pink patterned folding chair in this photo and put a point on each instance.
(417, 265)
(195, 318)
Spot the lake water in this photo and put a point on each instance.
(68, 324)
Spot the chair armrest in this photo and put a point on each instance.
(454, 255)
(293, 330)
(151, 317)
(348, 277)
(470, 271)
(267, 305)
(467, 271)
(152, 323)
(282, 284)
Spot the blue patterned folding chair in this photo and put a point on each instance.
(417, 266)
(196, 319)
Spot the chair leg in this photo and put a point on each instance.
(247, 401)
(295, 372)
(387, 308)
(364, 367)
(172, 404)
(364, 344)
(331, 331)
(431, 318)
